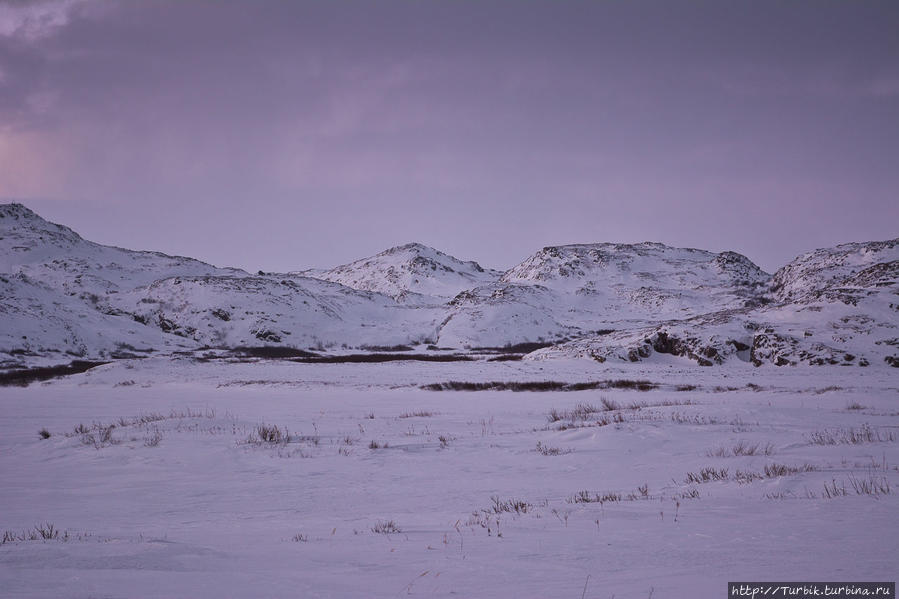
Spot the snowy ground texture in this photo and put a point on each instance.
(278, 479)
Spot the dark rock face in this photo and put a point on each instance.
(663, 342)
(879, 275)
(690, 347)
(267, 335)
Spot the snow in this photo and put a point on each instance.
(412, 269)
(63, 296)
(815, 272)
(184, 497)
(207, 513)
(60, 293)
(571, 291)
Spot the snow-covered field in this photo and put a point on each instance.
(601, 493)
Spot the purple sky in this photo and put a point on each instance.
(286, 135)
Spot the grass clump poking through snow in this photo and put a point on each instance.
(417, 414)
(271, 434)
(100, 437)
(549, 451)
(850, 436)
(707, 475)
(515, 506)
(154, 439)
(47, 532)
(746, 476)
(587, 497)
(41, 532)
(870, 486)
(582, 411)
(609, 405)
(776, 470)
(741, 448)
(641, 492)
(265, 434)
(832, 490)
(386, 528)
(44, 433)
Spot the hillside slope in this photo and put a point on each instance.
(572, 291)
(410, 269)
(832, 306)
(62, 296)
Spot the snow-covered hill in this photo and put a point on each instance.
(572, 291)
(833, 306)
(841, 272)
(410, 269)
(614, 265)
(294, 311)
(63, 295)
(59, 257)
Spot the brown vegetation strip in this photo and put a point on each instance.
(540, 386)
(23, 376)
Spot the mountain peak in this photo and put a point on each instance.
(414, 249)
(412, 267)
(15, 215)
(647, 263)
(16, 210)
(25, 221)
(412, 246)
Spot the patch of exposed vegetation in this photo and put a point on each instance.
(850, 436)
(24, 376)
(637, 385)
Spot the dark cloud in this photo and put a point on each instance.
(281, 135)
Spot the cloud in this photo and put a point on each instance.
(34, 20)
(485, 113)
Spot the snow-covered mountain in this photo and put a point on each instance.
(832, 306)
(301, 312)
(410, 269)
(841, 272)
(58, 257)
(63, 295)
(571, 291)
(586, 267)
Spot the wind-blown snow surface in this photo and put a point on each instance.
(183, 499)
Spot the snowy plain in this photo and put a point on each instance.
(380, 488)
